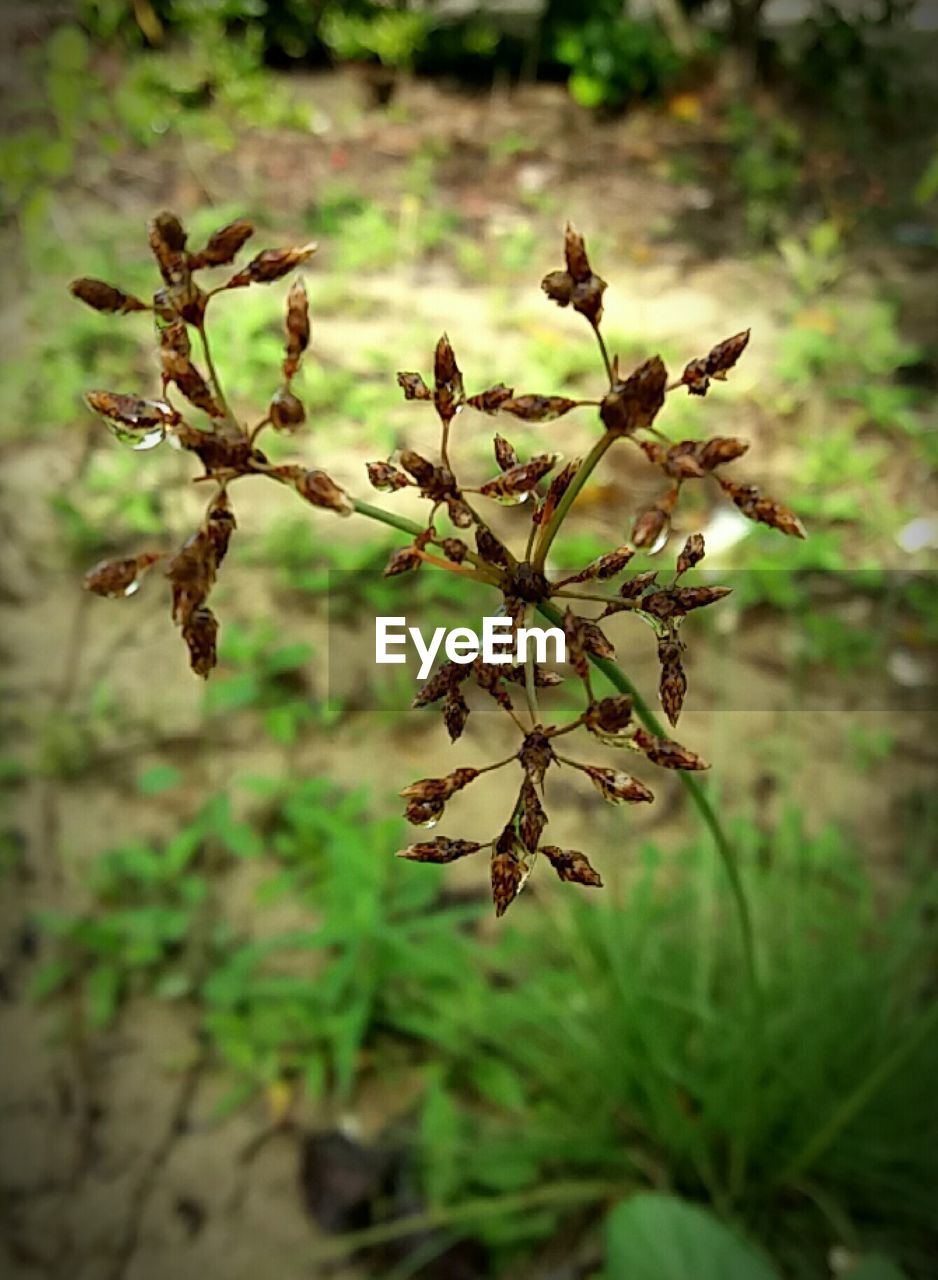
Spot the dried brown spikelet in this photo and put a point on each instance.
(223, 245)
(320, 490)
(632, 589)
(617, 787)
(440, 683)
(653, 523)
(716, 364)
(505, 454)
(533, 818)
(439, 788)
(454, 549)
(297, 328)
(576, 649)
(448, 392)
(536, 755)
(455, 712)
(520, 479)
(131, 411)
(270, 265)
(490, 548)
(191, 572)
(442, 849)
(403, 560)
(579, 284)
(666, 753)
(558, 487)
(220, 524)
(105, 297)
(691, 554)
(536, 408)
(609, 715)
(118, 578)
(672, 686)
(507, 871)
(179, 369)
(168, 238)
(200, 633)
(749, 500)
(572, 866)
(676, 602)
(719, 450)
(287, 412)
(633, 405)
(414, 387)
(492, 399)
(385, 477)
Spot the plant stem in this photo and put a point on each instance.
(530, 674)
(558, 1193)
(698, 795)
(605, 354)
(213, 374)
(587, 467)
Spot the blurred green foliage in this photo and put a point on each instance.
(606, 1040)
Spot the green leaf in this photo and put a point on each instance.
(51, 978)
(159, 778)
(660, 1237)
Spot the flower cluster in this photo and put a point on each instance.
(456, 536)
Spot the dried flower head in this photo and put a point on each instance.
(628, 411)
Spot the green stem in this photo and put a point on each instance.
(530, 674)
(587, 467)
(558, 1193)
(854, 1102)
(213, 374)
(698, 795)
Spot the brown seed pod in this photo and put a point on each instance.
(558, 285)
(572, 866)
(652, 525)
(168, 238)
(424, 813)
(492, 399)
(594, 640)
(720, 450)
(459, 512)
(666, 753)
(538, 408)
(520, 479)
(118, 578)
(448, 392)
(490, 548)
(536, 756)
(507, 871)
(691, 554)
(749, 500)
(200, 633)
(558, 487)
(297, 328)
(442, 849)
(439, 788)
(533, 818)
(634, 404)
(609, 715)
(617, 787)
(191, 572)
(386, 478)
(716, 364)
(320, 490)
(455, 713)
(505, 455)
(632, 589)
(270, 265)
(220, 524)
(576, 649)
(105, 297)
(287, 412)
(414, 387)
(676, 602)
(672, 686)
(422, 470)
(454, 549)
(223, 245)
(131, 411)
(444, 679)
(403, 560)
